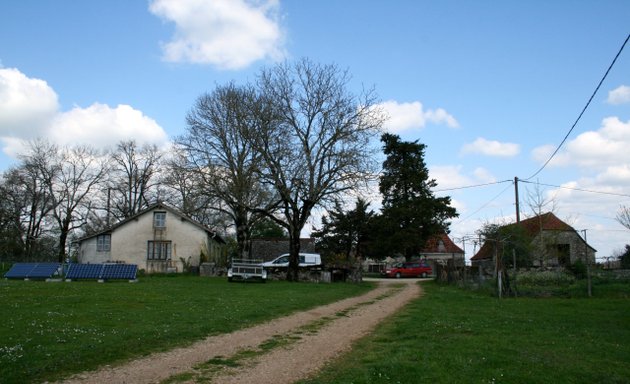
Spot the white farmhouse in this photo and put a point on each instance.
(157, 239)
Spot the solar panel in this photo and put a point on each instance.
(32, 270)
(44, 270)
(19, 270)
(119, 271)
(101, 271)
(84, 271)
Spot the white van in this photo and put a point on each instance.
(306, 260)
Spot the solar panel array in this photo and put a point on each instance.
(84, 271)
(32, 270)
(119, 271)
(101, 271)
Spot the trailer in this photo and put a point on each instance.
(246, 269)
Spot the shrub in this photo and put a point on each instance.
(578, 269)
(544, 278)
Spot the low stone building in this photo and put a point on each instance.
(553, 243)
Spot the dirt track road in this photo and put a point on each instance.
(281, 351)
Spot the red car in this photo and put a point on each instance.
(408, 269)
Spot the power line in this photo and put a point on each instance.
(581, 113)
(472, 186)
(578, 189)
(483, 206)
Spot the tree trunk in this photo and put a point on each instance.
(294, 255)
(62, 245)
(243, 241)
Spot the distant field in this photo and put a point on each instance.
(456, 336)
(50, 330)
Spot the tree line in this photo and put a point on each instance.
(271, 151)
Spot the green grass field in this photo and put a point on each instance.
(51, 330)
(456, 336)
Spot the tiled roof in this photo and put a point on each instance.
(433, 245)
(548, 222)
(484, 253)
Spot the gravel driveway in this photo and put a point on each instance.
(281, 351)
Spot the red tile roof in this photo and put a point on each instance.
(433, 245)
(548, 222)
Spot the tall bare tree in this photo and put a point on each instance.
(223, 158)
(134, 181)
(25, 209)
(320, 146)
(540, 204)
(78, 171)
(32, 178)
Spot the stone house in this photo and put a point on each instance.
(553, 243)
(157, 239)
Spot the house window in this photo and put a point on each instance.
(159, 250)
(103, 243)
(159, 219)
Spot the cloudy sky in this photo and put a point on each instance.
(490, 87)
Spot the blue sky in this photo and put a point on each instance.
(491, 87)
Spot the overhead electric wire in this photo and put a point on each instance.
(472, 186)
(577, 189)
(581, 113)
(483, 206)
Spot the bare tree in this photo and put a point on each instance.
(26, 205)
(133, 182)
(539, 204)
(223, 158)
(623, 216)
(77, 172)
(186, 188)
(32, 179)
(320, 146)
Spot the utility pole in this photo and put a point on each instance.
(588, 266)
(518, 212)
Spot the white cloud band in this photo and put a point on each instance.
(405, 116)
(491, 148)
(229, 34)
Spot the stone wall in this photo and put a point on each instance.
(579, 250)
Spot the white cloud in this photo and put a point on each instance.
(404, 116)
(449, 176)
(452, 176)
(29, 110)
(491, 148)
(619, 95)
(483, 175)
(26, 104)
(541, 154)
(229, 34)
(605, 147)
(618, 175)
(100, 125)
